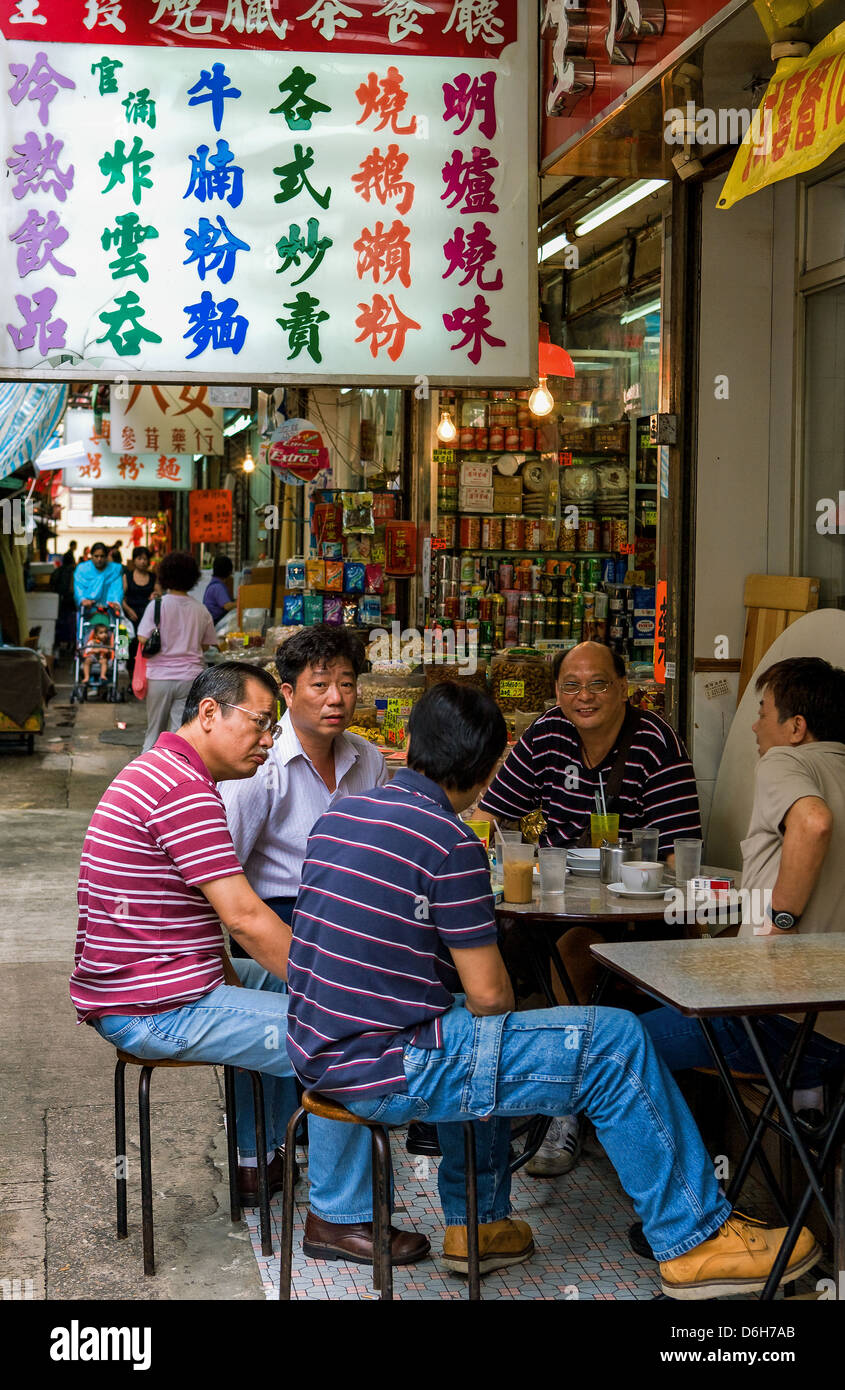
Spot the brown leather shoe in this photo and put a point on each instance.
(248, 1180)
(324, 1240)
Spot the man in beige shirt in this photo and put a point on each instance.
(794, 850)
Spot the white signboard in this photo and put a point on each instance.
(183, 213)
(177, 420)
(106, 467)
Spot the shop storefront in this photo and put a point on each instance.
(356, 241)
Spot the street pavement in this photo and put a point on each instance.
(57, 1191)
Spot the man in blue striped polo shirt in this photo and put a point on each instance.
(393, 918)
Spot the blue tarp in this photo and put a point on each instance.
(29, 413)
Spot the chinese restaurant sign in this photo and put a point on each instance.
(800, 121)
(105, 467)
(210, 516)
(177, 419)
(225, 191)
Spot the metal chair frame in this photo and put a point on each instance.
(382, 1175)
(147, 1068)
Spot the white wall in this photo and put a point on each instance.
(745, 442)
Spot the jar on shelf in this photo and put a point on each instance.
(514, 533)
(492, 533)
(447, 530)
(469, 532)
(548, 533)
(588, 533)
(496, 439)
(531, 533)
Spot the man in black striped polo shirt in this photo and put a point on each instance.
(556, 766)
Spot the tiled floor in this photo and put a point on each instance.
(580, 1225)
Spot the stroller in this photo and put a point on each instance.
(107, 687)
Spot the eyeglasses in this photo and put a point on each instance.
(597, 687)
(265, 723)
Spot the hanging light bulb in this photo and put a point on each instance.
(248, 465)
(541, 401)
(446, 431)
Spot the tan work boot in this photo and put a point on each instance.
(736, 1260)
(500, 1243)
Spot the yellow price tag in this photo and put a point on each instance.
(514, 689)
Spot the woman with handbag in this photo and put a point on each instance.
(138, 586)
(173, 633)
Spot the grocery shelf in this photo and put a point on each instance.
(540, 554)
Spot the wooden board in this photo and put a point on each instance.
(773, 602)
(812, 634)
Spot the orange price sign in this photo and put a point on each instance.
(660, 617)
(210, 515)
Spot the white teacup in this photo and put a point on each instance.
(644, 875)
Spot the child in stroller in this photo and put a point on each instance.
(100, 643)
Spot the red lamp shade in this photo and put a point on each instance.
(553, 360)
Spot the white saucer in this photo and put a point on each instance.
(622, 892)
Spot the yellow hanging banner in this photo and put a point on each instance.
(800, 121)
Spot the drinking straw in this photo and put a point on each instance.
(598, 804)
(603, 803)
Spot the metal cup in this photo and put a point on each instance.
(610, 862)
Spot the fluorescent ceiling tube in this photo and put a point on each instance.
(618, 203)
(653, 307)
(550, 247)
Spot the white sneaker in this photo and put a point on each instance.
(559, 1151)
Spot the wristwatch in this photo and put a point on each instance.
(784, 921)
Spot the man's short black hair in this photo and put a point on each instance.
(142, 550)
(318, 646)
(225, 682)
(809, 686)
(457, 735)
(222, 567)
(178, 570)
(618, 663)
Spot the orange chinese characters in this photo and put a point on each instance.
(129, 465)
(385, 254)
(380, 176)
(384, 324)
(386, 99)
(91, 469)
(168, 468)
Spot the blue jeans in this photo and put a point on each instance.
(682, 1044)
(559, 1062)
(247, 1028)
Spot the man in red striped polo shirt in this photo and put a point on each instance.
(158, 876)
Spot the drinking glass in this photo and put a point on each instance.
(687, 860)
(603, 828)
(552, 870)
(518, 872)
(648, 837)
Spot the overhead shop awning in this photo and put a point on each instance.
(29, 413)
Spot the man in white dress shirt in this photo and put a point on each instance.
(313, 763)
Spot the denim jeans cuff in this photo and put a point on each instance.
(336, 1218)
(458, 1216)
(706, 1230)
